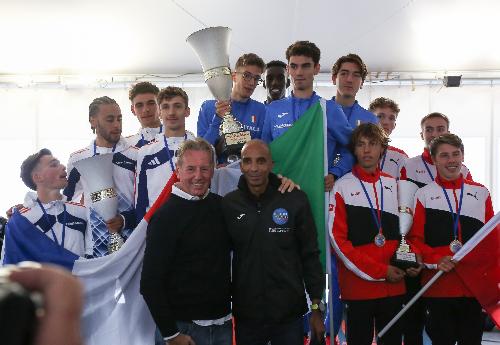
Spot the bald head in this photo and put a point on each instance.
(259, 145)
(256, 164)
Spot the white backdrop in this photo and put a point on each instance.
(57, 118)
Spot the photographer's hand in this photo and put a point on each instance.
(62, 294)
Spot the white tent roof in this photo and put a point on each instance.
(148, 36)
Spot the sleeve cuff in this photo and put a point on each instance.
(171, 337)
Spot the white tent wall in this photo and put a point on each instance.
(57, 118)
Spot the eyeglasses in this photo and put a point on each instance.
(247, 76)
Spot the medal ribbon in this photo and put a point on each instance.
(427, 168)
(382, 163)
(377, 217)
(456, 216)
(51, 228)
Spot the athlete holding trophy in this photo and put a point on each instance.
(234, 118)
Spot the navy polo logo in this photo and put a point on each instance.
(280, 216)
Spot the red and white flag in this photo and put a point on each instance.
(479, 267)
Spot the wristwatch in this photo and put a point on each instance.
(318, 307)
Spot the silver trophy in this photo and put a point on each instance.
(100, 192)
(403, 257)
(211, 45)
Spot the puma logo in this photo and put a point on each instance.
(389, 188)
(354, 194)
(473, 195)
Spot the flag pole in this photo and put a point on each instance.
(409, 304)
(471, 243)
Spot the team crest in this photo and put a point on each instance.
(253, 118)
(280, 216)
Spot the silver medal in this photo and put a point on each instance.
(455, 246)
(379, 240)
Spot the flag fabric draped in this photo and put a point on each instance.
(114, 310)
(300, 154)
(479, 267)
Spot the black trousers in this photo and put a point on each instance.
(363, 315)
(261, 332)
(454, 319)
(413, 320)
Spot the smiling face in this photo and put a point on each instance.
(195, 171)
(276, 82)
(448, 161)
(50, 173)
(145, 107)
(256, 164)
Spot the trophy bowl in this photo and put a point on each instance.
(211, 45)
(98, 185)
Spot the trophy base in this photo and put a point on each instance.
(404, 260)
(232, 143)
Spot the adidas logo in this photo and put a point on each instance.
(154, 161)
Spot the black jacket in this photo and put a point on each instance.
(275, 252)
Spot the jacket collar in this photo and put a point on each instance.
(363, 175)
(427, 156)
(313, 96)
(454, 184)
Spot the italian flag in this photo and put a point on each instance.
(301, 154)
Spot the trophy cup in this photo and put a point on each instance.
(211, 45)
(97, 180)
(403, 257)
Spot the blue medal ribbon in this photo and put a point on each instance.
(51, 228)
(377, 218)
(382, 163)
(427, 167)
(455, 216)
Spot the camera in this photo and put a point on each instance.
(18, 311)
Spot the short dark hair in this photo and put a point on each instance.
(141, 88)
(371, 131)
(276, 63)
(29, 165)
(304, 48)
(353, 58)
(435, 115)
(250, 59)
(94, 106)
(448, 138)
(170, 92)
(383, 102)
